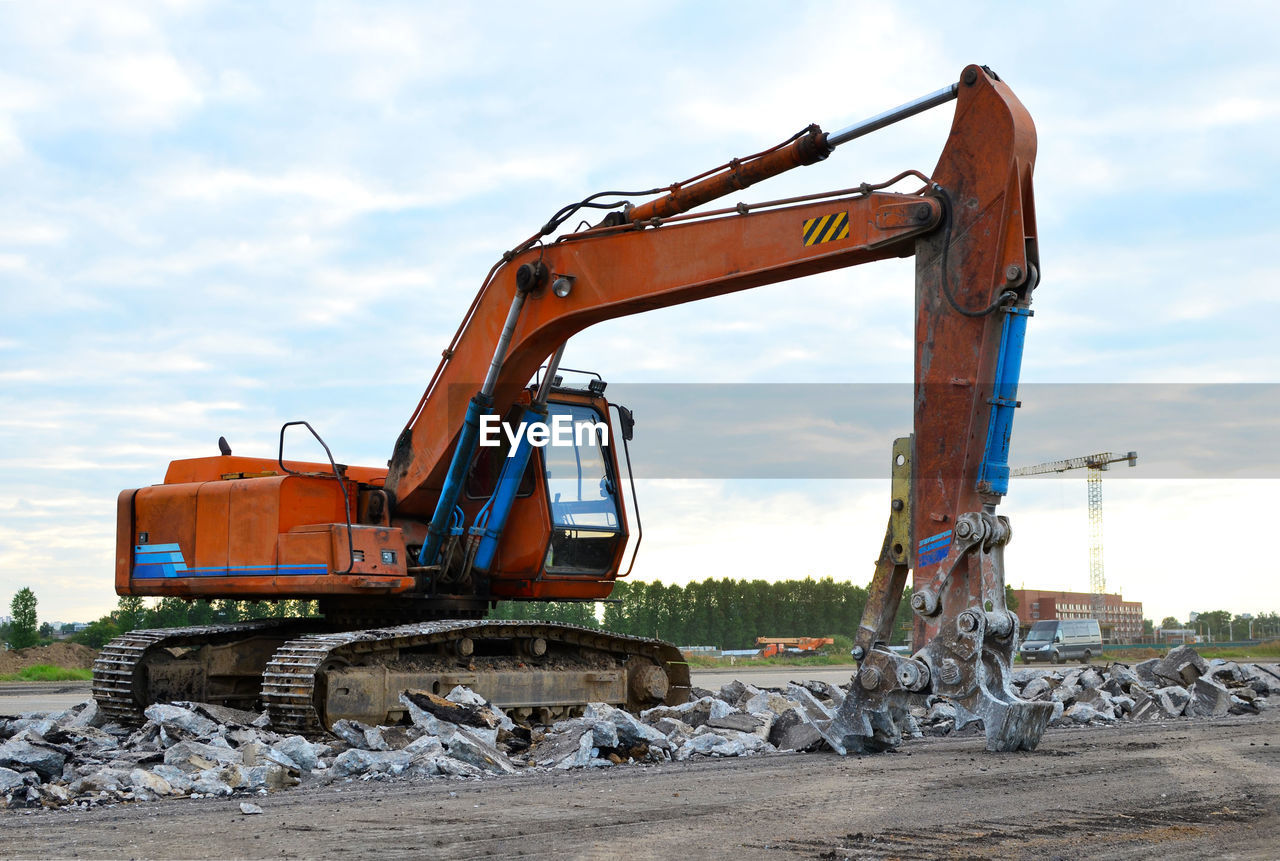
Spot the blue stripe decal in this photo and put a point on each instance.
(156, 572)
(158, 557)
(933, 549)
(937, 539)
(161, 561)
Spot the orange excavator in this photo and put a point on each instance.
(505, 484)
(774, 646)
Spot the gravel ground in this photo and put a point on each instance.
(1176, 789)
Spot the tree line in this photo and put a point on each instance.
(132, 613)
(1221, 626)
(724, 613)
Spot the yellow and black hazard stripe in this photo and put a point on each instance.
(826, 228)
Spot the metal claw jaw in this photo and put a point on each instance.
(980, 689)
(971, 656)
(968, 662)
(878, 708)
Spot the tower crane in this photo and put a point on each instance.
(1095, 463)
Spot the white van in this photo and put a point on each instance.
(1057, 641)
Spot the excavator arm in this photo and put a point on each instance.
(971, 228)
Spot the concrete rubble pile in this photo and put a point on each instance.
(76, 759)
(1180, 684)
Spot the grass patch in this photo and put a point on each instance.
(1269, 649)
(47, 673)
(1261, 651)
(707, 662)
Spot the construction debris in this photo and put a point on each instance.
(76, 759)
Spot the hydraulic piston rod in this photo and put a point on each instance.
(889, 117)
(807, 148)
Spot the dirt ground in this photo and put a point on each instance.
(1178, 789)
(71, 655)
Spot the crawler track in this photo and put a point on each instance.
(119, 673)
(292, 684)
(307, 676)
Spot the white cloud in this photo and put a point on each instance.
(213, 222)
(144, 89)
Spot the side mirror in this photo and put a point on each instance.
(628, 421)
(1057, 638)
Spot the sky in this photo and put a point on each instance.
(218, 217)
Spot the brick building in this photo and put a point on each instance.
(1121, 623)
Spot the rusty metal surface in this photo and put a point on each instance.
(299, 681)
(296, 679)
(985, 255)
(968, 662)
(120, 679)
(805, 148)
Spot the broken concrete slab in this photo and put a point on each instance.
(84, 715)
(303, 753)
(1090, 678)
(1172, 700)
(194, 756)
(694, 713)
(791, 731)
(819, 714)
(1226, 672)
(720, 742)
(565, 750)
(1085, 713)
(350, 731)
(469, 709)
(150, 781)
(208, 782)
(1241, 706)
(1146, 673)
(1208, 699)
(1182, 666)
(739, 721)
(734, 692)
(178, 724)
(770, 702)
(1065, 693)
(630, 730)
(225, 715)
(20, 754)
(10, 779)
(1144, 708)
(356, 762)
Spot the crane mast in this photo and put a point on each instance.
(1095, 463)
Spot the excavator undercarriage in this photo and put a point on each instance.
(308, 676)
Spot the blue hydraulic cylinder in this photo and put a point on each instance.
(462, 454)
(993, 474)
(493, 518)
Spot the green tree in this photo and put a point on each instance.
(1170, 622)
(1148, 629)
(130, 613)
(23, 630)
(566, 612)
(1214, 623)
(46, 631)
(98, 634)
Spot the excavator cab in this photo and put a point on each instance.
(568, 530)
